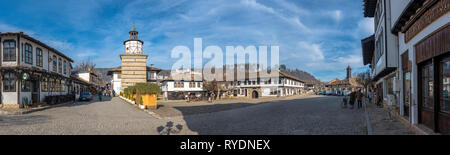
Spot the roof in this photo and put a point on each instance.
(38, 42)
(352, 82)
(406, 15)
(185, 76)
(370, 8)
(368, 48)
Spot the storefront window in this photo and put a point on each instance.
(407, 89)
(44, 84)
(427, 86)
(445, 86)
(390, 85)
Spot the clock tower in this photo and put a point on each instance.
(134, 61)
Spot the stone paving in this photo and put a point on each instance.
(314, 115)
(170, 108)
(383, 124)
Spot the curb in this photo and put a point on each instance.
(144, 110)
(368, 124)
(3, 112)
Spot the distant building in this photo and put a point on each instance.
(116, 81)
(177, 86)
(344, 86)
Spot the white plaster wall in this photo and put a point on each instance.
(397, 7)
(84, 76)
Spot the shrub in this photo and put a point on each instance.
(147, 88)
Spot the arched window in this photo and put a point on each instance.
(39, 59)
(54, 59)
(65, 67)
(59, 65)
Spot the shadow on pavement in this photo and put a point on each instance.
(169, 129)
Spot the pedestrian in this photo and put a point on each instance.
(100, 95)
(359, 97)
(113, 93)
(344, 101)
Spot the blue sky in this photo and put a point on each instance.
(319, 36)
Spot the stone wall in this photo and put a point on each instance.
(134, 69)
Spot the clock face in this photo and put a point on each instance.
(133, 47)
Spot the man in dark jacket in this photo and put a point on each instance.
(359, 97)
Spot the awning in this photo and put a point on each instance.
(368, 48)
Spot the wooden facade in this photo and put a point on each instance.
(432, 58)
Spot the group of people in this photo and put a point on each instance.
(356, 96)
(109, 93)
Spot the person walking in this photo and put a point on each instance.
(100, 95)
(359, 97)
(113, 93)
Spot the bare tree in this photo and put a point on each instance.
(85, 65)
(364, 78)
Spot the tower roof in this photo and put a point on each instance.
(133, 28)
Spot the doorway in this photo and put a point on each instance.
(255, 95)
(35, 96)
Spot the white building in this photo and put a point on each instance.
(116, 74)
(48, 70)
(381, 51)
(177, 86)
(416, 61)
(423, 30)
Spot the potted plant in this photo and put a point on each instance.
(141, 103)
(149, 93)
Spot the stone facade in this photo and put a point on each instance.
(134, 69)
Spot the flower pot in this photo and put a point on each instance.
(150, 100)
(142, 106)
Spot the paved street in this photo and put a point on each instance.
(313, 115)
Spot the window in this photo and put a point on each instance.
(59, 65)
(44, 84)
(9, 82)
(191, 84)
(198, 85)
(39, 59)
(63, 84)
(390, 85)
(52, 85)
(179, 84)
(445, 86)
(28, 54)
(54, 63)
(58, 86)
(427, 86)
(9, 50)
(65, 67)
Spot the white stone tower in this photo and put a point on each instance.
(134, 61)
